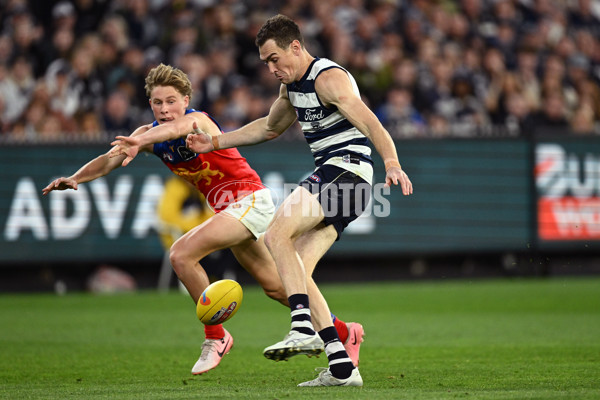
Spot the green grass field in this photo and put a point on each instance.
(491, 339)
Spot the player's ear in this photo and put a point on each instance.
(296, 46)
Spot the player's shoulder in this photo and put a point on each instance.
(322, 65)
(331, 79)
(196, 114)
(206, 123)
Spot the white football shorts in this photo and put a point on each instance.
(255, 211)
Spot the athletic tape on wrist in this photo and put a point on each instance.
(392, 163)
(215, 142)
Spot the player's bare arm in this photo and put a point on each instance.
(144, 137)
(129, 147)
(334, 88)
(99, 166)
(281, 116)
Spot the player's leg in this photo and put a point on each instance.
(218, 232)
(311, 247)
(255, 212)
(254, 257)
(298, 213)
(339, 199)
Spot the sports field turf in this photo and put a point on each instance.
(492, 339)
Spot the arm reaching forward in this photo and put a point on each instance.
(129, 146)
(281, 116)
(99, 166)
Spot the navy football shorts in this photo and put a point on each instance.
(343, 194)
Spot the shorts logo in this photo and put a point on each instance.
(314, 178)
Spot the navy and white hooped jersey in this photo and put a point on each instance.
(331, 137)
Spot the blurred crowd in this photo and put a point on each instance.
(75, 69)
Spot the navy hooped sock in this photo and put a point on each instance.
(340, 364)
(300, 310)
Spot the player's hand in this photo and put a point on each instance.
(198, 141)
(60, 184)
(127, 146)
(395, 176)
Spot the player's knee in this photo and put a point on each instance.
(270, 239)
(177, 256)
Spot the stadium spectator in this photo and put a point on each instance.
(85, 80)
(517, 119)
(113, 29)
(497, 97)
(583, 16)
(582, 122)
(33, 119)
(468, 114)
(552, 118)
(588, 94)
(143, 26)
(27, 38)
(17, 84)
(90, 126)
(49, 128)
(438, 126)
(89, 15)
(63, 97)
(63, 16)
(435, 93)
(197, 68)
(117, 117)
(58, 46)
(399, 116)
(526, 75)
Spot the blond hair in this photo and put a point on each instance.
(166, 75)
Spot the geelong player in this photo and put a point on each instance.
(243, 206)
(336, 123)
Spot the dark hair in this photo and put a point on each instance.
(281, 29)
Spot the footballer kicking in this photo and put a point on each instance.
(243, 206)
(324, 98)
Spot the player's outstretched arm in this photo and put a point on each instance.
(99, 166)
(281, 116)
(146, 136)
(140, 140)
(334, 87)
